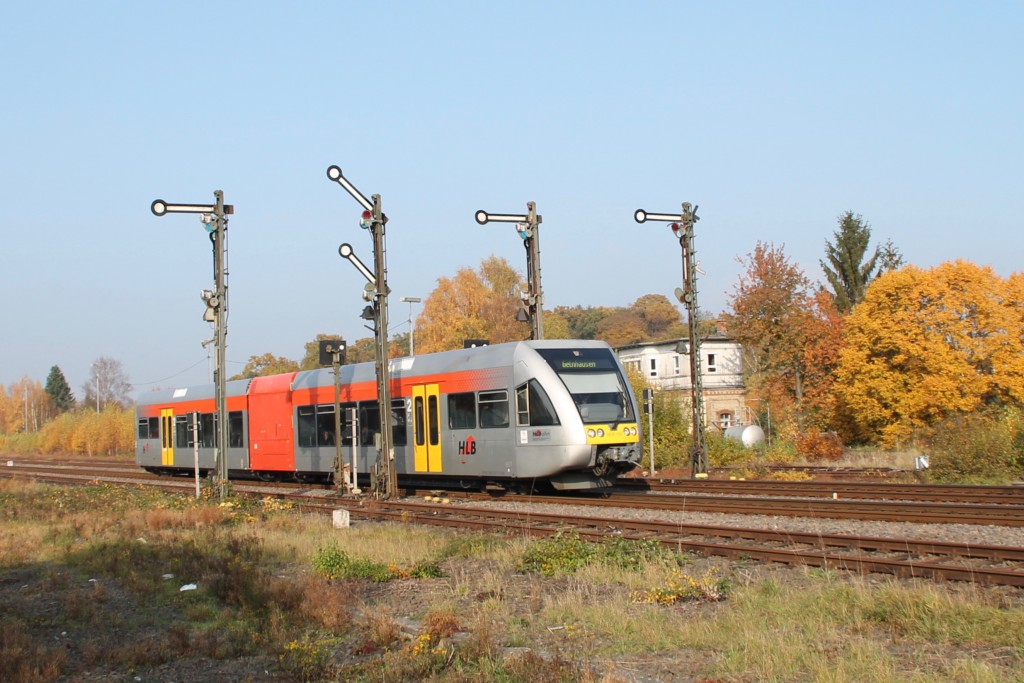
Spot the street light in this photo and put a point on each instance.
(412, 326)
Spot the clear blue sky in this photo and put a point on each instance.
(773, 117)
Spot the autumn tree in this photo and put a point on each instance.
(107, 383)
(582, 322)
(652, 317)
(24, 407)
(362, 350)
(927, 344)
(775, 317)
(472, 305)
(267, 364)
(622, 327)
(59, 391)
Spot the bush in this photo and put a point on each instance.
(980, 448)
(816, 445)
(86, 432)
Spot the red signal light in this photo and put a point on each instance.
(366, 220)
(676, 229)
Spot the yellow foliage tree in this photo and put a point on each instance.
(472, 305)
(925, 344)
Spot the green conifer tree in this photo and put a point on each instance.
(59, 391)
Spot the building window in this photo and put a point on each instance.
(677, 364)
(654, 367)
(725, 419)
(711, 362)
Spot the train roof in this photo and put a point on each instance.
(481, 357)
(238, 387)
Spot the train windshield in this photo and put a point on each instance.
(593, 379)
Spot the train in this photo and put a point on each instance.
(558, 413)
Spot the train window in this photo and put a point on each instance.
(144, 428)
(433, 421)
(417, 416)
(207, 430)
(307, 426)
(533, 407)
(236, 434)
(462, 411)
(494, 409)
(398, 437)
(325, 425)
(369, 422)
(154, 427)
(183, 431)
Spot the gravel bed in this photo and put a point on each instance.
(952, 533)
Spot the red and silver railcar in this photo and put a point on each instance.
(559, 411)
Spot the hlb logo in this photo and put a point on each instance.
(467, 447)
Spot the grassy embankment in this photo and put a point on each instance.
(91, 578)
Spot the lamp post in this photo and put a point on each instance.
(412, 326)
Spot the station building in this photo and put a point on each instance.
(667, 369)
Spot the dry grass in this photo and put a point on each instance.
(483, 620)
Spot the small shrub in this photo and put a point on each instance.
(817, 446)
(978, 448)
(680, 587)
(441, 624)
(22, 660)
(334, 563)
(628, 553)
(563, 553)
(306, 658)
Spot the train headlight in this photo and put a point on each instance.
(591, 433)
(600, 432)
(628, 431)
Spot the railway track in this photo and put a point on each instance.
(1013, 495)
(1005, 506)
(988, 564)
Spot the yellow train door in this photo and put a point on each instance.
(167, 436)
(426, 421)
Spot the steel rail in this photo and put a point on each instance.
(668, 535)
(963, 493)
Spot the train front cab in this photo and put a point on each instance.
(594, 433)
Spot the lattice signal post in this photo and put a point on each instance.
(376, 291)
(528, 227)
(214, 217)
(682, 228)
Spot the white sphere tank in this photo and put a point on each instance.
(749, 435)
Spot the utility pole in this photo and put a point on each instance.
(528, 227)
(412, 325)
(374, 220)
(682, 228)
(214, 217)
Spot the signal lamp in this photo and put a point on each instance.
(366, 220)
